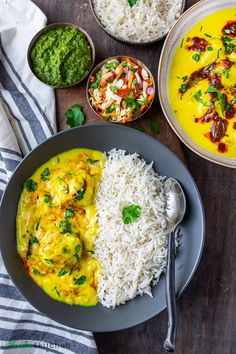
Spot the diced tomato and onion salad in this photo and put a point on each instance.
(121, 90)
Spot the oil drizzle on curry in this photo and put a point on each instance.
(203, 81)
(56, 226)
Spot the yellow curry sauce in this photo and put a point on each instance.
(56, 226)
(202, 83)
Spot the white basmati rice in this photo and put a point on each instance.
(132, 256)
(145, 21)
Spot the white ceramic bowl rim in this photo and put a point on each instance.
(192, 16)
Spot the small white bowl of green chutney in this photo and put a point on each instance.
(61, 55)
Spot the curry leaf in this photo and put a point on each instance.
(74, 116)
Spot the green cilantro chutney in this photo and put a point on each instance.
(61, 56)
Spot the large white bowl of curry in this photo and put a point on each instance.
(197, 80)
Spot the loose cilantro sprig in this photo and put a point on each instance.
(154, 127)
(75, 117)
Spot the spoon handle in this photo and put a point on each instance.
(169, 343)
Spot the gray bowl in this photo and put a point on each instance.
(127, 41)
(104, 138)
(53, 26)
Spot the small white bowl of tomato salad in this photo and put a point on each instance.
(120, 89)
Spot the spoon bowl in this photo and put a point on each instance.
(176, 207)
(176, 203)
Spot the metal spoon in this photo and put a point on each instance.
(176, 207)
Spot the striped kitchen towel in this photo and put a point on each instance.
(27, 117)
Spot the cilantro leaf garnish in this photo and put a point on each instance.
(224, 72)
(74, 116)
(81, 280)
(37, 224)
(111, 65)
(77, 248)
(198, 97)
(183, 88)
(67, 227)
(229, 44)
(111, 108)
(219, 97)
(80, 194)
(62, 272)
(132, 2)
(96, 84)
(49, 261)
(196, 57)
(69, 213)
(30, 185)
(114, 89)
(47, 198)
(141, 100)
(130, 101)
(131, 213)
(36, 271)
(92, 161)
(34, 240)
(45, 174)
(64, 250)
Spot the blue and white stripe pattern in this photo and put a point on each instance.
(27, 118)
